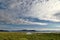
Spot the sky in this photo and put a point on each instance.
(30, 14)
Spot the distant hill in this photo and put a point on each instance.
(4, 31)
(18, 31)
(24, 30)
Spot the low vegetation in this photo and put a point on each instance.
(29, 36)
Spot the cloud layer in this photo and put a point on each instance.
(11, 11)
(46, 10)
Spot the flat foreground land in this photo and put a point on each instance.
(29, 36)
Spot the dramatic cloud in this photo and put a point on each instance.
(46, 10)
(12, 10)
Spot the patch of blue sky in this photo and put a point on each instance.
(3, 5)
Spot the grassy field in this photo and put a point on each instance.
(26, 36)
